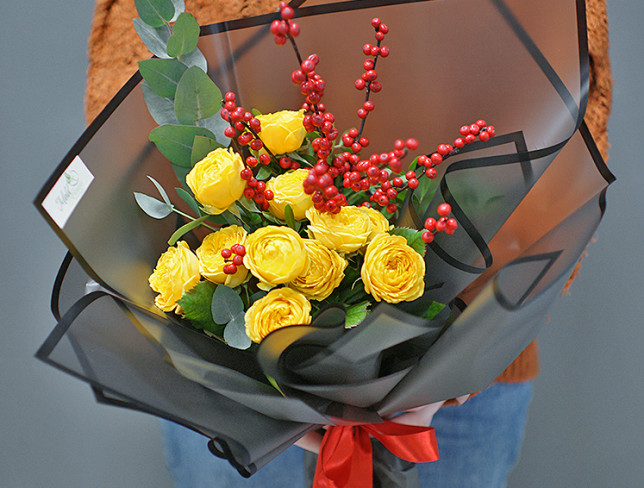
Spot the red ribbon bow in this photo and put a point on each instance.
(345, 458)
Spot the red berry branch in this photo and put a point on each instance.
(233, 262)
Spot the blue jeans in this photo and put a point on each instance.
(479, 443)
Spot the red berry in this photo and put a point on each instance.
(251, 161)
(246, 174)
(264, 159)
(360, 84)
(229, 132)
(410, 174)
(366, 49)
(430, 224)
(431, 173)
(238, 260)
(459, 143)
(474, 129)
(452, 224)
(481, 123)
(392, 207)
(384, 51)
(444, 209)
(226, 253)
(484, 136)
(427, 237)
(375, 50)
(375, 22)
(412, 183)
(294, 29)
(441, 225)
(280, 40)
(362, 113)
(443, 149)
(470, 138)
(249, 193)
(230, 97)
(465, 130)
(412, 144)
(383, 28)
(256, 144)
(491, 130)
(379, 36)
(364, 142)
(376, 86)
(371, 75)
(368, 105)
(436, 159)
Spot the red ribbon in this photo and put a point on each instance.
(345, 458)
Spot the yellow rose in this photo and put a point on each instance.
(324, 274)
(346, 231)
(392, 270)
(279, 308)
(288, 190)
(216, 181)
(379, 223)
(282, 132)
(275, 255)
(177, 272)
(211, 262)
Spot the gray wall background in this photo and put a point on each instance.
(585, 426)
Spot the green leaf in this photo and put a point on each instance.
(155, 12)
(189, 199)
(217, 126)
(175, 142)
(196, 307)
(181, 172)
(151, 206)
(256, 296)
(195, 58)
(184, 229)
(413, 236)
(248, 205)
(161, 191)
(179, 7)
(226, 304)
(356, 314)
(263, 172)
(289, 217)
(161, 109)
(201, 147)
(274, 384)
(154, 38)
(185, 35)
(197, 97)
(162, 75)
(235, 333)
(434, 309)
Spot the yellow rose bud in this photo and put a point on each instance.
(392, 270)
(324, 274)
(379, 223)
(275, 255)
(345, 232)
(282, 132)
(288, 190)
(211, 262)
(279, 308)
(216, 181)
(177, 272)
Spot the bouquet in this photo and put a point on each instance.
(340, 275)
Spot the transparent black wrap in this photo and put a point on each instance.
(528, 202)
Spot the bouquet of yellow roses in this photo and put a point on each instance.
(315, 276)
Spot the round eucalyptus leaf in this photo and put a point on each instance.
(155, 12)
(235, 333)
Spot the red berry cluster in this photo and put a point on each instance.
(284, 28)
(256, 189)
(443, 224)
(443, 151)
(243, 124)
(232, 262)
(368, 78)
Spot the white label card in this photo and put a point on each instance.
(61, 201)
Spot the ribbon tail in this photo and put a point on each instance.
(411, 443)
(345, 459)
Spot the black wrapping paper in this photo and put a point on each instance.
(528, 203)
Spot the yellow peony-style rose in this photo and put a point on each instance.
(211, 262)
(324, 274)
(345, 232)
(216, 181)
(282, 132)
(176, 272)
(379, 223)
(281, 307)
(392, 270)
(275, 255)
(288, 190)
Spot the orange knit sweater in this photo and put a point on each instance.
(114, 49)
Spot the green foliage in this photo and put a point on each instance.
(226, 304)
(162, 75)
(356, 314)
(433, 310)
(217, 126)
(154, 38)
(151, 206)
(196, 98)
(161, 109)
(289, 217)
(184, 229)
(201, 147)
(424, 194)
(175, 142)
(195, 58)
(196, 307)
(235, 333)
(413, 237)
(155, 12)
(185, 35)
(189, 199)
